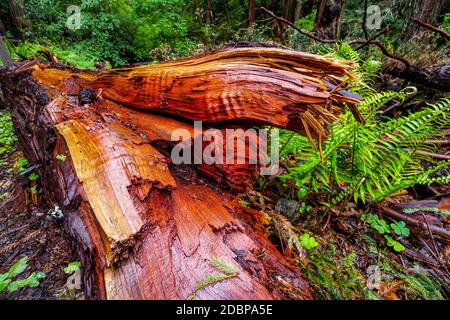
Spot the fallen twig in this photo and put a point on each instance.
(441, 142)
(440, 232)
(308, 34)
(436, 251)
(434, 155)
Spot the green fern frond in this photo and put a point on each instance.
(375, 160)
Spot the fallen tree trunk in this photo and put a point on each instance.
(143, 227)
(437, 77)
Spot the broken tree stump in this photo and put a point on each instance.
(144, 227)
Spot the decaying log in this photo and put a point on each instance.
(144, 227)
(437, 77)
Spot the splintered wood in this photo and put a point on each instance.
(144, 227)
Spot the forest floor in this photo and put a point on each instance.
(350, 257)
(28, 230)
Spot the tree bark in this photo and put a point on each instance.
(298, 10)
(4, 54)
(251, 12)
(436, 77)
(2, 28)
(288, 14)
(327, 18)
(427, 11)
(209, 12)
(144, 227)
(15, 14)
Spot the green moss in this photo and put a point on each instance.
(335, 276)
(7, 137)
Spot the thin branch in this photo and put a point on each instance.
(364, 26)
(438, 257)
(434, 155)
(385, 30)
(440, 142)
(442, 233)
(363, 42)
(384, 50)
(431, 27)
(308, 34)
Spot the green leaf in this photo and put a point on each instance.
(72, 267)
(18, 267)
(33, 176)
(308, 242)
(400, 228)
(34, 278)
(302, 193)
(397, 246)
(4, 284)
(61, 157)
(32, 281)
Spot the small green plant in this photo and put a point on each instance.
(400, 228)
(383, 228)
(376, 223)
(446, 23)
(72, 267)
(34, 190)
(21, 164)
(308, 242)
(397, 246)
(419, 281)
(7, 137)
(33, 176)
(7, 279)
(374, 161)
(306, 23)
(305, 208)
(228, 271)
(335, 275)
(61, 157)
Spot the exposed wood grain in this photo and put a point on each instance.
(278, 87)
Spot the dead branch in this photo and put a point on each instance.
(440, 232)
(431, 27)
(374, 42)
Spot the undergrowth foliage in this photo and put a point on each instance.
(373, 161)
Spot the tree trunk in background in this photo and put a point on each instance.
(209, 12)
(15, 14)
(251, 11)
(298, 10)
(427, 11)
(327, 18)
(307, 7)
(4, 54)
(2, 28)
(287, 9)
